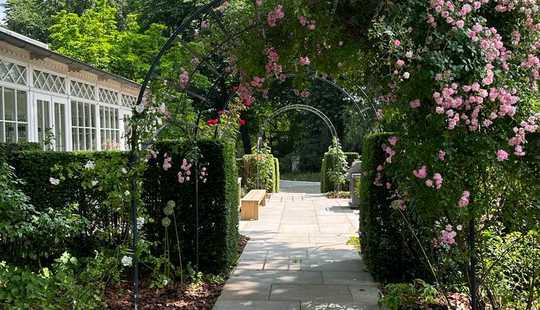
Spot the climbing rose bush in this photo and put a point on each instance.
(459, 81)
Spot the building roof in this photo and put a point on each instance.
(40, 49)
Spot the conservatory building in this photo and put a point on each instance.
(60, 102)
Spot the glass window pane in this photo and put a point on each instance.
(75, 139)
(22, 111)
(73, 113)
(80, 115)
(88, 139)
(94, 140)
(46, 116)
(10, 132)
(23, 133)
(1, 104)
(93, 115)
(101, 119)
(9, 104)
(87, 115)
(82, 143)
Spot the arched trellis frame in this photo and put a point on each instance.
(207, 11)
(293, 107)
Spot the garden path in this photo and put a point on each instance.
(300, 187)
(298, 258)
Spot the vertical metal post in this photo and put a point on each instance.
(197, 212)
(132, 162)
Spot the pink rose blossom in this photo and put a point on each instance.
(421, 173)
(502, 155)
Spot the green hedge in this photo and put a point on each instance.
(218, 204)
(218, 208)
(34, 168)
(388, 249)
(326, 184)
(262, 167)
(7, 149)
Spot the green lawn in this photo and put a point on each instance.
(301, 176)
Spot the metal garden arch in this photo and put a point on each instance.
(209, 11)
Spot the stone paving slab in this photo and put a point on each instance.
(298, 258)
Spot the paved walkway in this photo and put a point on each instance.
(297, 258)
(300, 187)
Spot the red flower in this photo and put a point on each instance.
(213, 122)
(243, 122)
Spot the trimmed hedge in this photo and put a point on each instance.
(218, 204)
(326, 184)
(264, 167)
(8, 149)
(277, 176)
(390, 252)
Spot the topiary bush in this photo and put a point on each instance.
(387, 249)
(326, 184)
(260, 171)
(218, 203)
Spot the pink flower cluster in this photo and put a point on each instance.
(466, 107)
(502, 155)
(272, 66)
(422, 173)
(304, 21)
(167, 162)
(275, 16)
(454, 12)
(491, 44)
(532, 63)
(464, 200)
(436, 182)
(257, 82)
(441, 155)
(448, 236)
(304, 61)
(184, 174)
(184, 79)
(246, 95)
(519, 138)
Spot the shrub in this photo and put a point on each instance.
(326, 184)
(386, 247)
(260, 172)
(218, 204)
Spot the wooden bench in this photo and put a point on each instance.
(249, 205)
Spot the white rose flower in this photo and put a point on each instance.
(127, 261)
(54, 181)
(124, 170)
(90, 165)
(94, 183)
(139, 108)
(409, 54)
(406, 75)
(126, 193)
(140, 222)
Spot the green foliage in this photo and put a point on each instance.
(512, 268)
(401, 296)
(68, 284)
(334, 167)
(387, 246)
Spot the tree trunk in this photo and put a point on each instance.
(245, 139)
